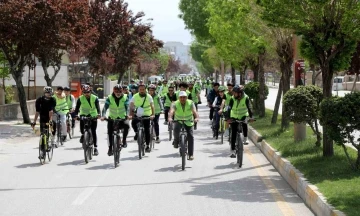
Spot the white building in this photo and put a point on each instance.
(181, 51)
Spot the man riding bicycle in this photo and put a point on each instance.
(217, 104)
(61, 109)
(44, 106)
(88, 105)
(70, 100)
(240, 110)
(117, 103)
(142, 105)
(211, 97)
(170, 97)
(158, 110)
(184, 109)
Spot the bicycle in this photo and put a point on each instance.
(183, 143)
(152, 135)
(141, 136)
(222, 127)
(170, 129)
(44, 148)
(239, 145)
(69, 128)
(213, 124)
(88, 141)
(59, 139)
(117, 141)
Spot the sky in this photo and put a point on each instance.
(166, 24)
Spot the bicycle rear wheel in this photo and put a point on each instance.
(140, 143)
(240, 150)
(222, 126)
(170, 130)
(183, 151)
(69, 131)
(86, 146)
(115, 150)
(152, 137)
(59, 135)
(42, 153)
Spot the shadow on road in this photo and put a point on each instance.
(134, 158)
(102, 167)
(28, 165)
(77, 148)
(74, 163)
(176, 168)
(173, 155)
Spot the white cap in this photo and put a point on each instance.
(182, 94)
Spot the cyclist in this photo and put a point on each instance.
(184, 109)
(170, 97)
(195, 93)
(88, 105)
(240, 110)
(211, 97)
(44, 106)
(134, 90)
(70, 100)
(117, 103)
(228, 95)
(158, 110)
(142, 105)
(218, 102)
(61, 109)
(183, 86)
(198, 86)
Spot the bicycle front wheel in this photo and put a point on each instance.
(140, 143)
(69, 129)
(152, 137)
(60, 140)
(42, 153)
(222, 125)
(240, 150)
(183, 151)
(115, 150)
(86, 146)
(50, 151)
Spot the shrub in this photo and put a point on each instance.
(9, 94)
(302, 105)
(252, 90)
(342, 116)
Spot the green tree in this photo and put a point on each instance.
(4, 70)
(329, 30)
(341, 115)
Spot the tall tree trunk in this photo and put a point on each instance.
(327, 73)
(285, 122)
(46, 75)
(17, 75)
(313, 78)
(242, 76)
(277, 103)
(262, 97)
(233, 75)
(354, 84)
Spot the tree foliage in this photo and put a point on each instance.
(342, 116)
(302, 106)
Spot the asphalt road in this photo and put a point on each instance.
(212, 184)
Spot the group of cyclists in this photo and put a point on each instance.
(128, 102)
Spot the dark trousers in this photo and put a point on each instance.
(122, 125)
(211, 114)
(146, 129)
(156, 124)
(234, 126)
(93, 130)
(73, 119)
(190, 137)
(217, 120)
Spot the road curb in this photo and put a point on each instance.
(308, 192)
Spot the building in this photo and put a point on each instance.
(181, 51)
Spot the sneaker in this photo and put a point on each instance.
(110, 152)
(191, 157)
(245, 141)
(233, 154)
(175, 145)
(135, 137)
(147, 149)
(81, 138)
(124, 145)
(64, 138)
(96, 153)
(165, 123)
(157, 140)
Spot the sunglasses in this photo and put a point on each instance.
(86, 92)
